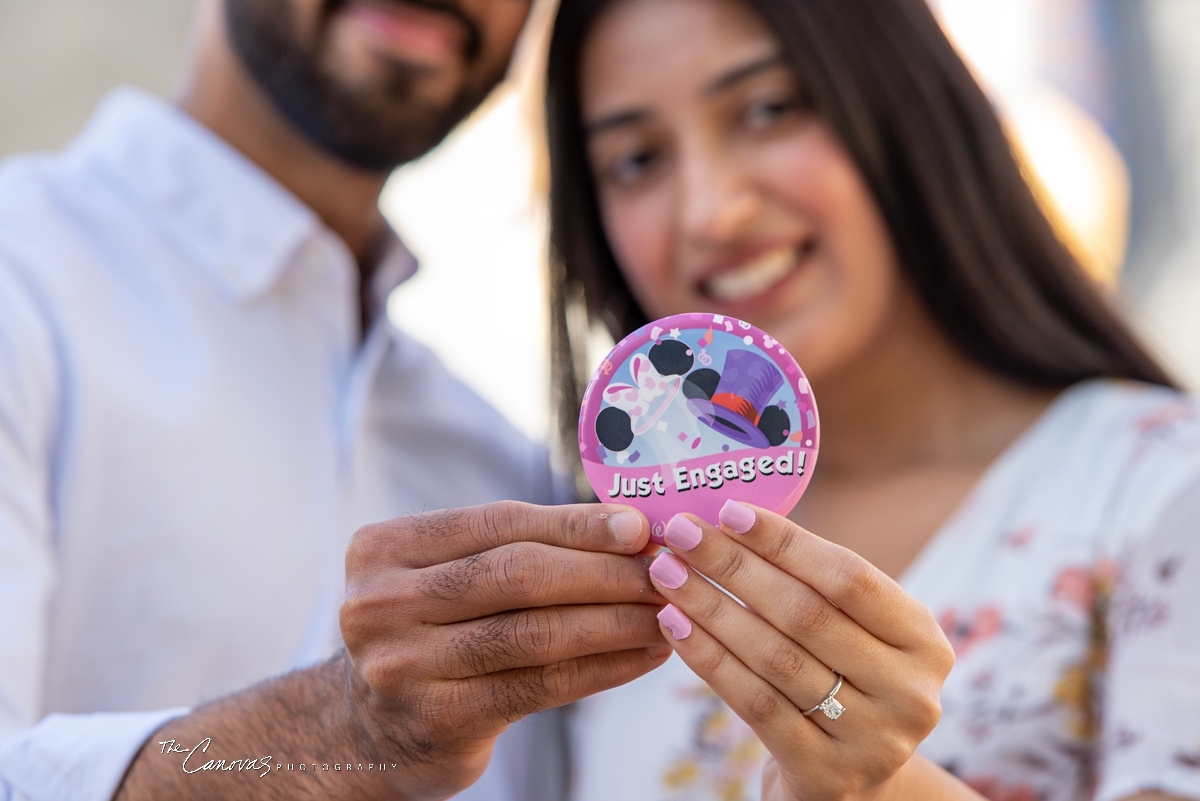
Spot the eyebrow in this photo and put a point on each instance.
(720, 84)
(739, 74)
(613, 121)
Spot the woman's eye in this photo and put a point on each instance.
(765, 113)
(632, 167)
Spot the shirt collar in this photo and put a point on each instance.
(237, 223)
(396, 265)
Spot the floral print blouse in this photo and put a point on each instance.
(1068, 582)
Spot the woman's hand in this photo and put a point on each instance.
(812, 608)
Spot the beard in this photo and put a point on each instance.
(372, 125)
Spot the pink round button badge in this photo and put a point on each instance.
(695, 409)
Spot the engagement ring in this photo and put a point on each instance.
(832, 708)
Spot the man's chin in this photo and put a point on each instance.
(379, 132)
(367, 104)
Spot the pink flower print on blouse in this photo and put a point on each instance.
(992, 788)
(1020, 538)
(965, 633)
(1163, 418)
(1088, 591)
(1086, 587)
(1161, 424)
(724, 757)
(1076, 586)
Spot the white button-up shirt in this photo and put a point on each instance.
(191, 425)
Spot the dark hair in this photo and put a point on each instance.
(970, 236)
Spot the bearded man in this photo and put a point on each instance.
(201, 397)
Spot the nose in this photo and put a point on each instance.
(718, 201)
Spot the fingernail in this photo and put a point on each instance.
(682, 533)
(668, 571)
(657, 652)
(626, 528)
(736, 517)
(675, 621)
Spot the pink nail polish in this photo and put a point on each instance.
(682, 533)
(736, 517)
(668, 571)
(675, 621)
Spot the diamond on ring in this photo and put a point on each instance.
(831, 706)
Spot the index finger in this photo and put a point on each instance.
(864, 592)
(433, 538)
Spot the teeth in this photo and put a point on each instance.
(753, 277)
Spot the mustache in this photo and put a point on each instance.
(470, 28)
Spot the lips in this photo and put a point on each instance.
(755, 276)
(419, 28)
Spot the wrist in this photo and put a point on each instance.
(350, 713)
(353, 719)
(920, 778)
(333, 731)
(420, 764)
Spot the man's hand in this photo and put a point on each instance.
(460, 622)
(456, 623)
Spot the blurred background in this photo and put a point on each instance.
(1100, 98)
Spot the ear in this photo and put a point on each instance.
(701, 383)
(775, 424)
(614, 429)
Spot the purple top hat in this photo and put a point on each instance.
(748, 381)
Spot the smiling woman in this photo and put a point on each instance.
(908, 127)
(829, 171)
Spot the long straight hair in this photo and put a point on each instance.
(971, 239)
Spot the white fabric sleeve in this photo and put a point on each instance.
(1150, 737)
(29, 400)
(77, 757)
